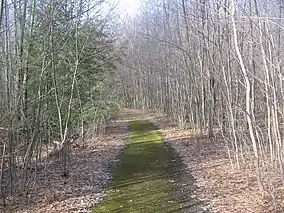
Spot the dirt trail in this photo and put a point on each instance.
(147, 177)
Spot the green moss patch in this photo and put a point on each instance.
(142, 180)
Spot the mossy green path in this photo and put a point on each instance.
(142, 180)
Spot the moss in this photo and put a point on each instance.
(142, 180)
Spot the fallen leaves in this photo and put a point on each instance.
(85, 187)
(223, 189)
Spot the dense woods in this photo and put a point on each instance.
(57, 82)
(213, 66)
(216, 67)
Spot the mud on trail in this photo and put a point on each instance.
(147, 177)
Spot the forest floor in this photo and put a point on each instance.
(85, 186)
(223, 188)
(203, 174)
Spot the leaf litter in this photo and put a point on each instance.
(85, 186)
(224, 189)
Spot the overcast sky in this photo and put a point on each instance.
(129, 6)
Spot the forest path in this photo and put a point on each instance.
(146, 177)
